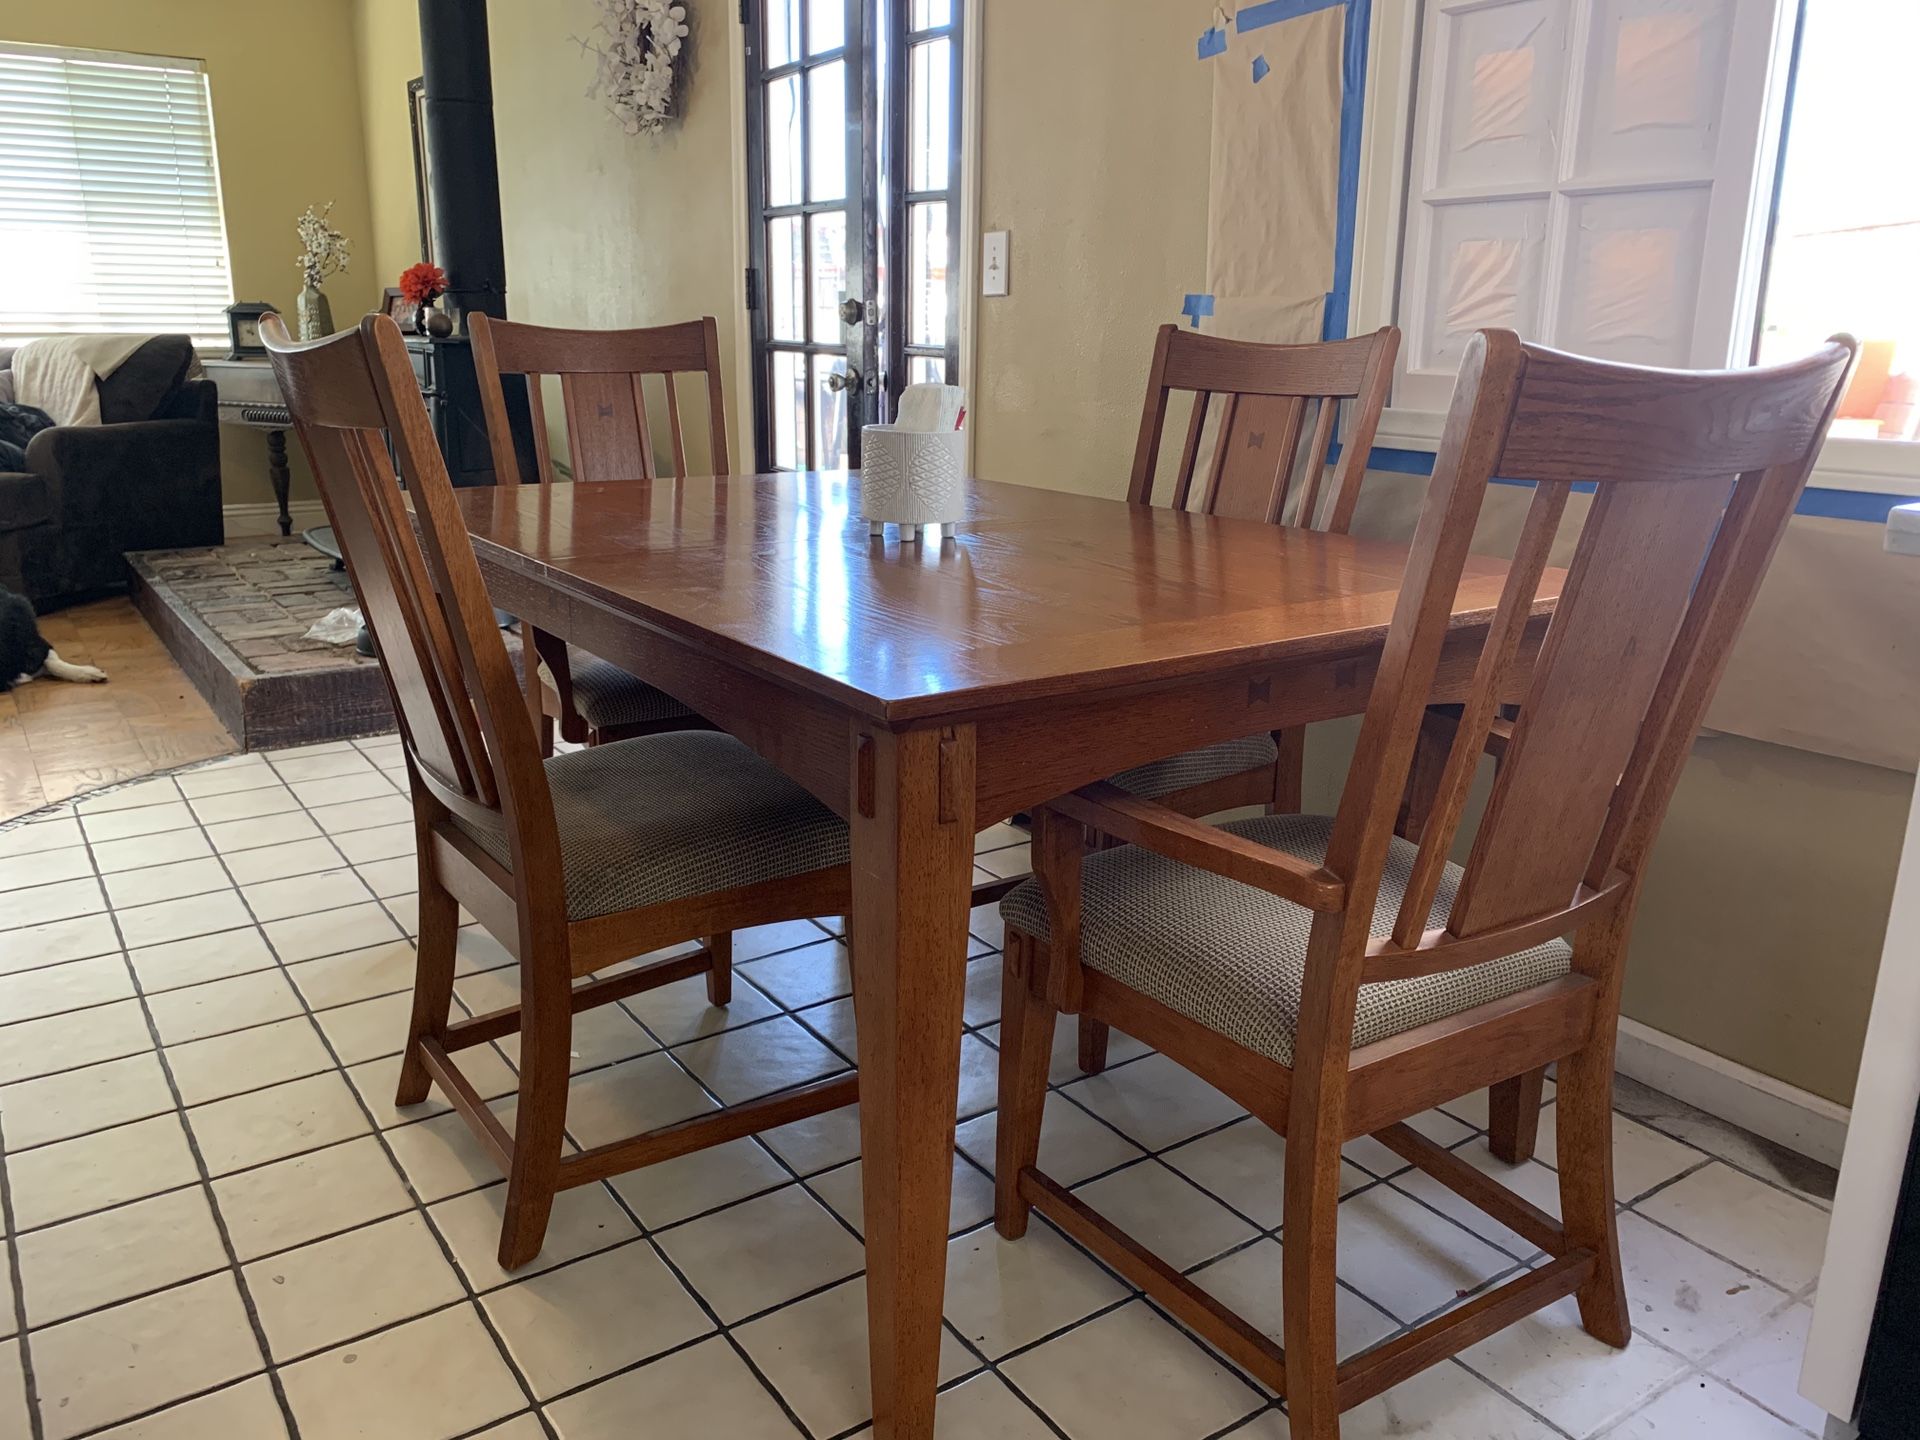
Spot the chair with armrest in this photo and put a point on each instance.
(602, 376)
(576, 864)
(1257, 470)
(1337, 979)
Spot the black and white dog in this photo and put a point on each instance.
(25, 654)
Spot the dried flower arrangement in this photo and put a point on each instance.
(323, 249)
(636, 66)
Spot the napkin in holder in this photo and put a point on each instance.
(913, 472)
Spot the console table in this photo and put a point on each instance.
(249, 396)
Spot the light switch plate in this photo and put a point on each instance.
(993, 263)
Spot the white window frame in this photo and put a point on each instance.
(1880, 466)
(183, 65)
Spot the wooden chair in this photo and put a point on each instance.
(1256, 461)
(1336, 979)
(575, 865)
(602, 375)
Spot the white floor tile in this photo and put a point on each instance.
(1445, 1400)
(159, 790)
(43, 904)
(762, 1252)
(167, 920)
(1406, 1259)
(333, 1290)
(1073, 1145)
(328, 932)
(679, 1012)
(1003, 1294)
(59, 1107)
(215, 1007)
(127, 888)
(118, 1363)
(1131, 1376)
(815, 1353)
(297, 1201)
(128, 1251)
(1246, 1165)
(281, 862)
(1249, 1283)
(1705, 1408)
(304, 894)
(1550, 1364)
(112, 856)
(126, 824)
(1770, 1232)
(436, 1377)
(81, 938)
(1164, 1212)
(201, 958)
(355, 975)
(1765, 1366)
(66, 1042)
(369, 1029)
(703, 1390)
(690, 1185)
(441, 1157)
(570, 1326)
(797, 978)
(1154, 1101)
(378, 1080)
(249, 1059)
(1685, 1298)
(109, 1167)
(584, 1220)
(271, 1124)
(237, 835)
(76, 985)
(821, 1141)
(631, 1097)
(243, 804)
(1642, 1158)
(43, 867)
(248, 1409)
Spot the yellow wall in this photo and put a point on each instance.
(286, 118)
(386, 40)
(605, 228)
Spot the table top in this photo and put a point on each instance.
(1042, 593)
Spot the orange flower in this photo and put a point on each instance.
(421, 283)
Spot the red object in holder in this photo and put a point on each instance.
(421, 284)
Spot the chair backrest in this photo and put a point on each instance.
(602, 375)
(1265, 391)
(459, 706)
(1694, 477)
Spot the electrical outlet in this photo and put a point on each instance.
(993, 263)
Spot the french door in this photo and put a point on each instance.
(853, 188)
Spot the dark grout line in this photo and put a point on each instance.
(29, 1389)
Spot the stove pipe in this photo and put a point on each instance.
(461, 159)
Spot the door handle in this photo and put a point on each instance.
(839, 380)
(852, 311)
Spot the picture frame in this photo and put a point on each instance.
(243, 329)
(396, 308)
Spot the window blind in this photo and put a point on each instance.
(110, 213)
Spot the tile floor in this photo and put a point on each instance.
(217, 1223)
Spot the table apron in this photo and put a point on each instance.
(1026, 753)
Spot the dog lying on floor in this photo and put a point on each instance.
(24, 652)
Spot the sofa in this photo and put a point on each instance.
(146, 478)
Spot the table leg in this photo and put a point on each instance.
(912, 884)
(279, 477)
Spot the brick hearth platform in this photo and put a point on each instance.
(236, 617)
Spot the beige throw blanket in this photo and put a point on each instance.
(61, 375)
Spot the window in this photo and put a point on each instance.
(853, 162)
(110, 213)
(1623, 178)
(1846, 236)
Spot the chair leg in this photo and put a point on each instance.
(544, 732)
(1513, 1116)
(1026, 1050)
(1093, 1045)
(720, 975)
(1289, 770)
(1307, 1278)
(432, 980)
(533, 1175)
(1584, 1122)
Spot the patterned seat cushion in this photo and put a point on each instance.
(1233, 958)
(665, 817)
(1197, 767)
(609, 698)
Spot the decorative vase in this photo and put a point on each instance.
(315, 315)
(420, 319)
(912, 478)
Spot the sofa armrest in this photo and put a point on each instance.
(153, 484)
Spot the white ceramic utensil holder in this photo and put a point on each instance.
(912, 478)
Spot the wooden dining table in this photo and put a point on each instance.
(925, 691)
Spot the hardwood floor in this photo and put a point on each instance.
(59, 740)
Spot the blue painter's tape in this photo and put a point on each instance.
(1213, 41)
(1865, 505)
(1195, 307)
(1272, 12)
(1353, 93)
(1260, 68)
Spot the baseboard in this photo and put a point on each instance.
(263, 518)
(1804, 1123)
